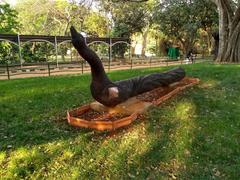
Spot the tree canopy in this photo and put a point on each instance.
(8, 19)
(51, 17)
(182, 20)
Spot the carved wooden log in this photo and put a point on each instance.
(112, 93)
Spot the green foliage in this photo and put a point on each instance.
(101, 49)
(37, 52)
(120, 30)
(128, 18)
(8, 53)
(194, 135)
(55, 18)
(207, 14)
(33, 16)
(8, 25)
(50, 17)
(181, 20)
(8, 19)
(96, 25)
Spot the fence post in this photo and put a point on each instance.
(130, 57)
(71, 52)
(49, 71)
(56, 49)
(8, 73)
(110, 54)
(131, 63)
(19, 50)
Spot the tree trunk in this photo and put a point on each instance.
(187, 45)
(229, 32)
(66, 28)
(144, 43)
(133, 50)
(232, 50)
(215, 36)
(209, 41)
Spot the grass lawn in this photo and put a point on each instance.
(195, 135)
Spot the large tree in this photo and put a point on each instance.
(229, 30)
(126, 18)
(182, 19)
(51, 17)
(96, 25)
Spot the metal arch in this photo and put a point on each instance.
(64, 42)
(98, 42)
(38, 40)
(118, 42)
(9, 41)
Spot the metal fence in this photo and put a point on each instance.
(56, 41)
(80, 67)
(57, 67)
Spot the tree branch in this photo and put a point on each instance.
(236, 18)
(226, 4)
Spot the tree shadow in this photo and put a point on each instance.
(37, 115)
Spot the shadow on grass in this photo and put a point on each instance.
(205, 143)
(36, 114)
(33, 110)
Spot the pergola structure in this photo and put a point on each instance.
(56, 41)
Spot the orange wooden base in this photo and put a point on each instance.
(72, 116)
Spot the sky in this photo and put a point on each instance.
(12, 2)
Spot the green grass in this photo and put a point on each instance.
(195, 135)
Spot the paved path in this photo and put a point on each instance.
(78, 70)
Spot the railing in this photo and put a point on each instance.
(56, 41)
(14, 71)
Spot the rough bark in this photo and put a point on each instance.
(229, 32)
(232, 53)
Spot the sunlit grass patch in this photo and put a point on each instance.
(185, 110)
(2, 156)
(177, 150)
(25, 162)
(2, 162)
(209, 84)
